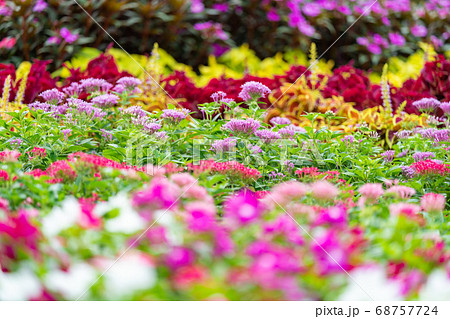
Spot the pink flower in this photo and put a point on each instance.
(9, 156)
(419, 31)
(272, 15)
(402, 192)
(287, 192)
(68, 36)
(432, 202)
(253, 91)
(406, 209)
(371, 191)
(243, 207)
(397, 39)
(161, 194)
(201, 217)
(324, 190)
(7, 43)
(332, 215)
(179, 257)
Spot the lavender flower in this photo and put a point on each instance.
(135, 110)
(129, 82)
(225, 145)
(421, 156)
(174, 116)
(441, 135)
(268, 136)
(15, 143)
(245, 127)
(445, 107)
(53, 96)
(427, 105)
(93, 85)
(106, 135)
(45, 107)
(73, 90)
(66, 133)
(255, 149)
(280, 121)
(253, 91)
(59, 110)
(218, 96)
(151, 127)
(388, 156)
(160, 135)
(408, 172)
(291, 131)
(105, 100)
(403, 134)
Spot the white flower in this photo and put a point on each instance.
(128, 221)
(131, 273)
(72, 283)
(370, 283)
(20, 285)
(437, 287)
(61, 218)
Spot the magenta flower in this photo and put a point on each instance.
(129, 83)
(197, 6)
(253, 91)
(40, 6)
(332, 215)
(222, 7)
(93, 85)
(179, 257)
(66, 133)
(68, 36)
(243, 208)
(7, 43)
(53, 40)
(397, 39)
(272, 15)
(421, 156)
(419, 31)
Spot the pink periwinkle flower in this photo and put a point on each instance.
(272, 15)
(243, 207)
(197, 6)
(160, 194)
(324, 190)
(432, 202)
(286, 227)
(253, 91)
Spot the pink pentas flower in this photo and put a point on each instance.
(245, 127)
(432, 202)
(21, 230)
(243, 208)
(324, 190)
(331, 255)
(371, 190)
(9, 156)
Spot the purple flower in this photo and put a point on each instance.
(129, 83)
(225, 145)
(268, 136)
(246, 127)
(291, 131)
(40, 6)
(203, 25)
(419, 31)
(311, 9)
(427, 105)
(255, 149)
(45, 107)
(253, 91)
(397, 39)
(403, 134)
(151, 127)
(408, 172)
(106, 135)
(93, 85)
(222, 7)
(160, 135)
(135, 110)
(68, 36)
(218, 96)
(179, 257)
(373, 48)
(66, 133)
(280, 121)
(349, 139)
(332, 215)
(15, 143)
(445, 107)
(174, 116)
(73, 90)
(363, 41)
(388, 156)
(60, 110)
(105, 100)
(243, 208)
(421, 156)
(53, 96)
